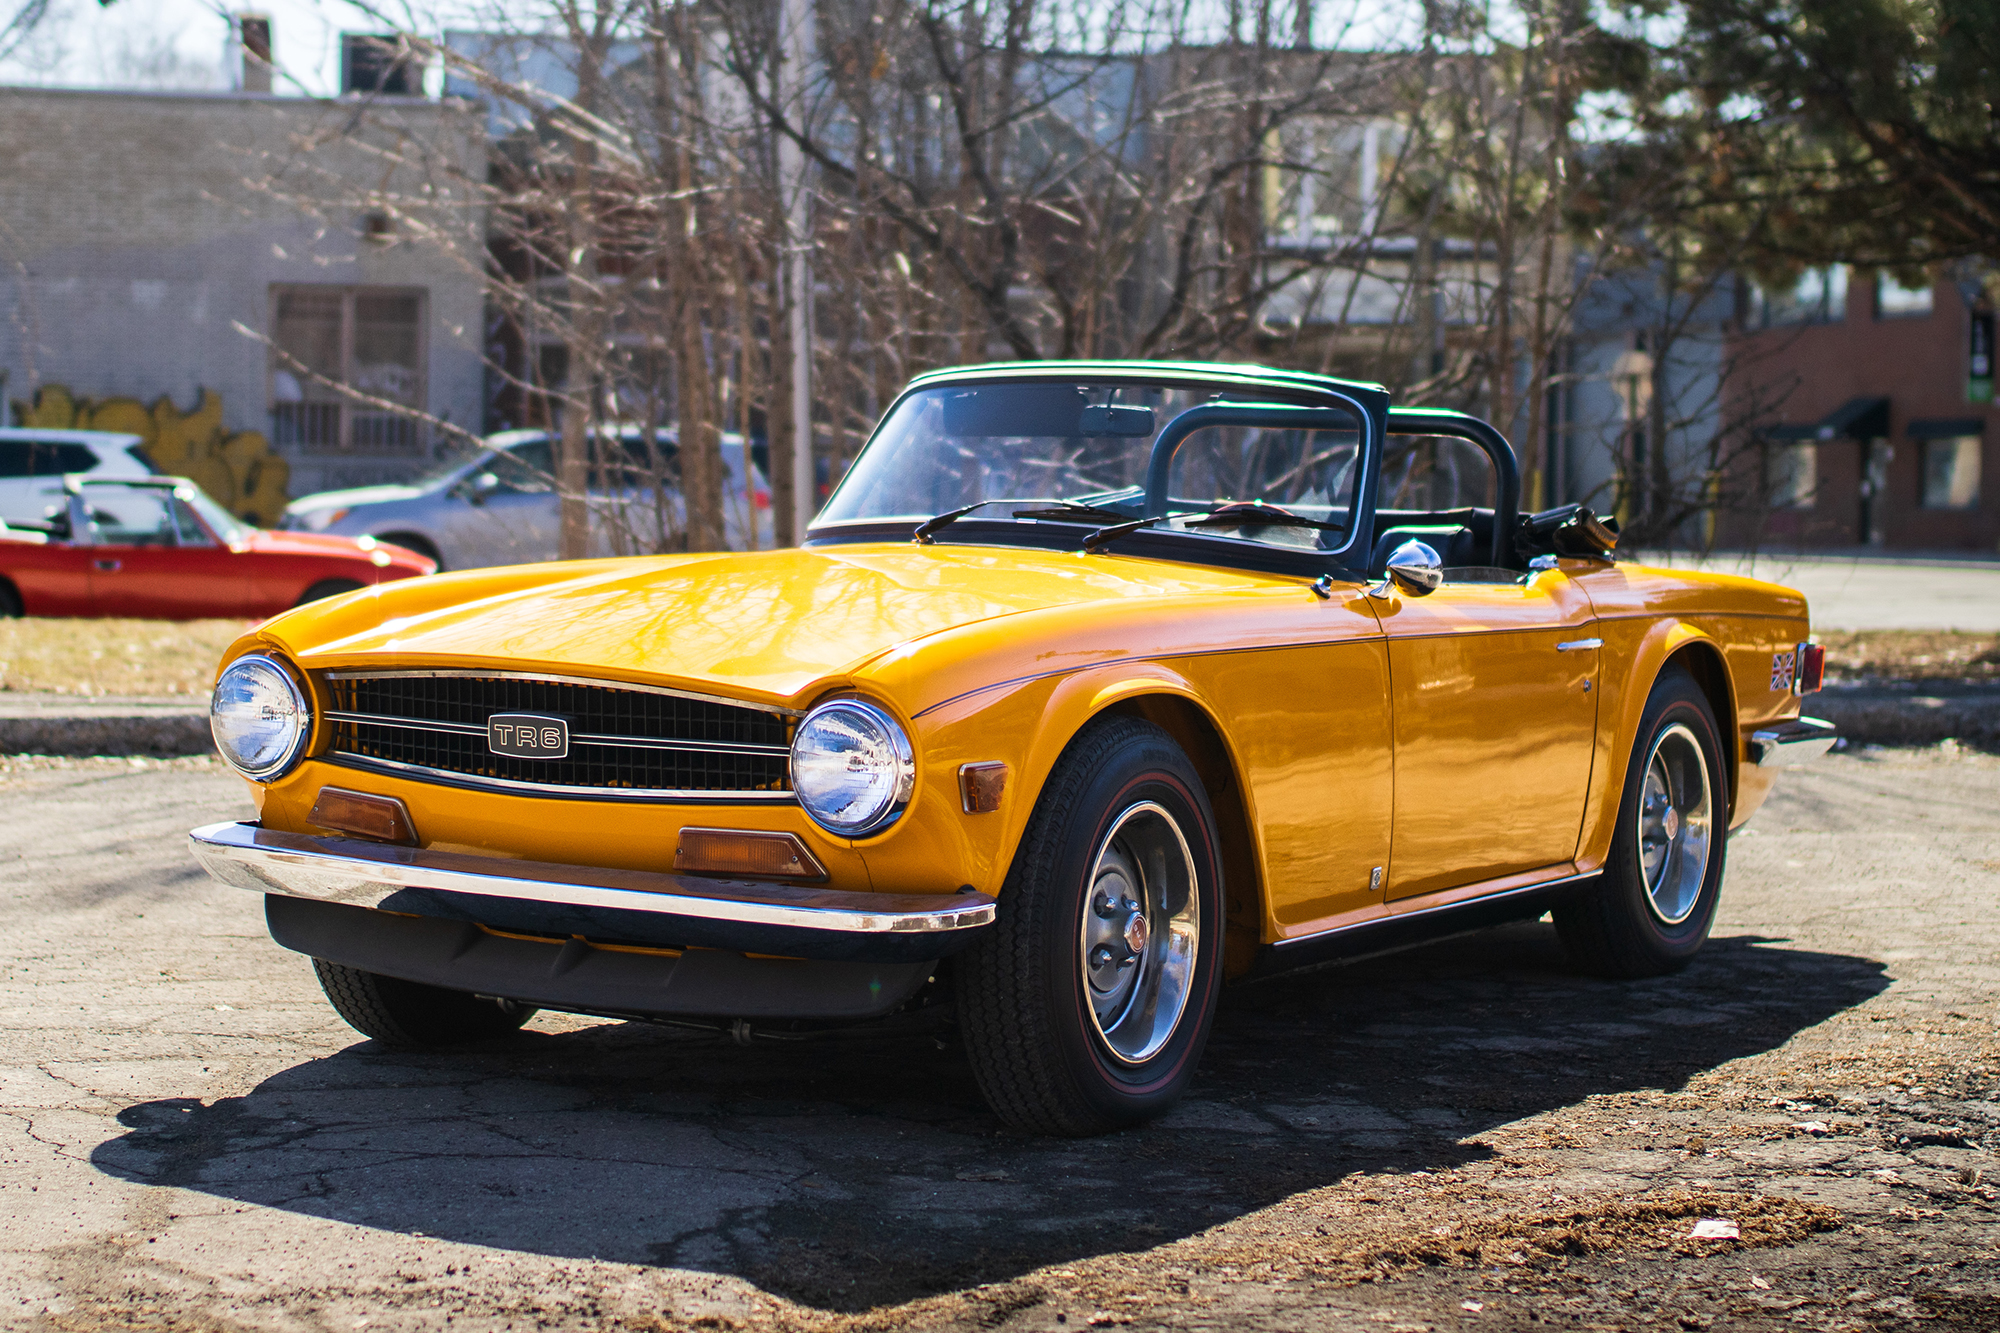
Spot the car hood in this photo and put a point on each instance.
(387, 493)
(269, 542)
(764, 625)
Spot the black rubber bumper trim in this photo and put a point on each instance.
(573, 974)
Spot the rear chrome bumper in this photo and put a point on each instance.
(1791, 742)
(622, 906)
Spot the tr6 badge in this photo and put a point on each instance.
(527, 735)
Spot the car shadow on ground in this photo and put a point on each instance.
(846, 1174)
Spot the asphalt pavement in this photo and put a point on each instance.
(190, 1140)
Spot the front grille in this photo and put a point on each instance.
(630, 742)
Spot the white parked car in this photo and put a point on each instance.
(499, 507)
(34, 462)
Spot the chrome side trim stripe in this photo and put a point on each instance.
(452, 778)
(593, 681)
(362, 874)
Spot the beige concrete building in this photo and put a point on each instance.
(139, 230)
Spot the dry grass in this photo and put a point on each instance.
(112, 656)
(1911, 654)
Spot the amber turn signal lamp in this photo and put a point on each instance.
(728, 852)
(980, 787)
(380, 818)
(1812, 668)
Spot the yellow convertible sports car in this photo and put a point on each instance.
(1095, 685)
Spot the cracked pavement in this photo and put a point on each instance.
(1463, 1136)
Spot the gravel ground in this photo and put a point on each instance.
(1467, 1136)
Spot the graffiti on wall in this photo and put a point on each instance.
(238, 468)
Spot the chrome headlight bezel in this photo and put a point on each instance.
(902, 766)
(301, 718)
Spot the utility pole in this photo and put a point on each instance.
(795, 48)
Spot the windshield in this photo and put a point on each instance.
(225, 525)
(1087, 445)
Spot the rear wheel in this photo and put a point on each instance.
(411, 1014)
(410, 541)
(324, 589)
(1086, 1006)
(10, 601)
(1651, 910)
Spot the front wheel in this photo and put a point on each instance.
(412, 1015)
(1086, 1006)
(1650, 912)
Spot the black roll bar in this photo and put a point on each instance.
(1506, 468)
(1274, 415)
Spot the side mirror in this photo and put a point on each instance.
(481, 486)
(1414, 568)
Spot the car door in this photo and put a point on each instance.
(1494, 706)
(151, 559)
(506, 513)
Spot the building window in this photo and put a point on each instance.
(1818, 297)
(1951, 472)
(1791, 473)
(1895, 301)
(370, 339)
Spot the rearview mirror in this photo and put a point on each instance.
(1134, 422)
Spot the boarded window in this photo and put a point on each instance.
(1792, 473)
(369, 339)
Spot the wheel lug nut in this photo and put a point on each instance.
(1101, 955)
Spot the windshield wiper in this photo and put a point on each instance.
(1060, 510)
(1260, 516)
(1103, 537)
(1066, 513)
(922, 536)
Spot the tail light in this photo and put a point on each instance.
(1812, 669)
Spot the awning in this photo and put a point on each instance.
(1855, 419)
(1945, 428)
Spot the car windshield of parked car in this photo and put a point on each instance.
(1087, 446)
(227, 528)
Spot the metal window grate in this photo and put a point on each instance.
(625, 743)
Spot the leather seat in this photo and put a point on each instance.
(1452, 542)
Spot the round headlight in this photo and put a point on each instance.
(259, 717)
(851, 767)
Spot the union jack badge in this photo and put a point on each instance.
(1782, 667)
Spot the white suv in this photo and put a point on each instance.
(33, 463)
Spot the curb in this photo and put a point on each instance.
(56, 724)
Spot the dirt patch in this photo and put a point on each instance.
(1857, 656)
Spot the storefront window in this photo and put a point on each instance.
(1951, 472)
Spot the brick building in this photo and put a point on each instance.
(1876, 427)
(137, 229)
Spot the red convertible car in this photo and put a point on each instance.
(160, 548)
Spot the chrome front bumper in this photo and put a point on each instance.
(1791, 742)
(621, 906)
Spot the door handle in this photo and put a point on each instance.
(107, 566)
(1576, 645)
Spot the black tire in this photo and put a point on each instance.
(10, 601)
(1035, 1039)
(410, 541)
(1618, 927)
(412, 1015)
(324, 589)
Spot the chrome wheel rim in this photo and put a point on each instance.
(1141, 935)
(1676, 824)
